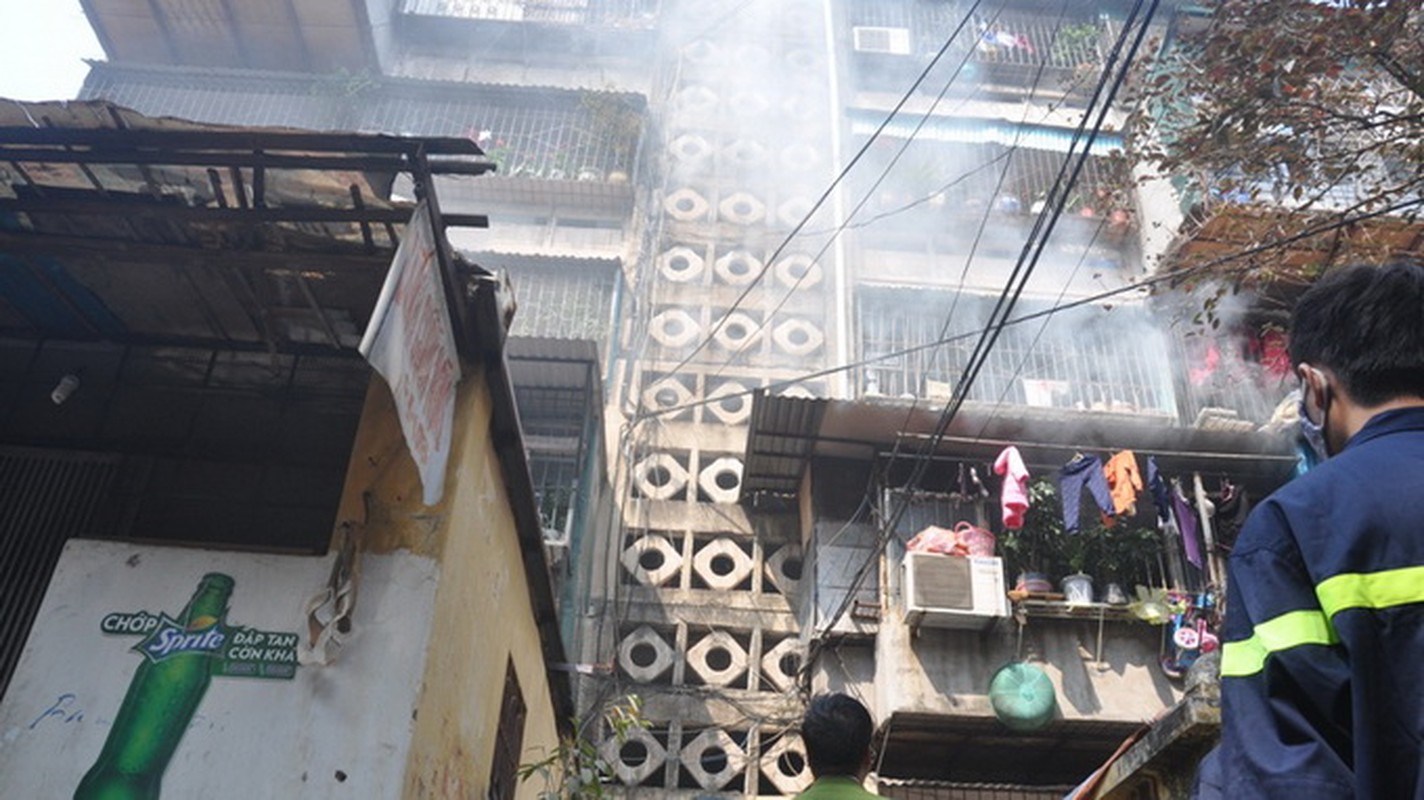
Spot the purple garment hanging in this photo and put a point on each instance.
(1161, 497)
(1187, 524)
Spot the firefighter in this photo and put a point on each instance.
(1322, 668)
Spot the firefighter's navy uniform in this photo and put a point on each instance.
(1323, 656)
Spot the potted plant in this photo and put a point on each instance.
(1079, 551)
(1028, 552)
(1120, 562)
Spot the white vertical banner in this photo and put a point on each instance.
(411, 342)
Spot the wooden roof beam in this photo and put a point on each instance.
(250, 215)
(210, 140)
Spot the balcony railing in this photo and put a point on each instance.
(1004, 43)
(607, 13)
(1084, 359)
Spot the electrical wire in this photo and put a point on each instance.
(1018, 368)
(1142, 285)
(826, 195)
(865, 198)
(1023, 269)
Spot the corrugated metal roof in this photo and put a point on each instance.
(138, 229)
(785, 432)
(781, 438)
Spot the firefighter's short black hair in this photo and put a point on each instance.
(1366, 324)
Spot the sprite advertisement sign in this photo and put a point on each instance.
(238, 651)
(180, 657)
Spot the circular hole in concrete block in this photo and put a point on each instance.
(789, 664)
(733, 404)
(739, 267)
(659, 476)
(650, 560)
(741, 207)
(643, 655)
(685, 205)
(714, 759)
(792, 568)
(791, 763)
(798, 269)
(799, 336)
(679, 263)
(673, 328)
(726, 480)
(737, 331)
(723, 565)
(719, 659)
(666, 397)
(633, 753)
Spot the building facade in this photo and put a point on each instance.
(801, 198)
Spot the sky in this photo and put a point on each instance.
(45, 44)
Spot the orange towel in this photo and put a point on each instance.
(1125, 481)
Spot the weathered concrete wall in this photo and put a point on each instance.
(948, 671)
(481, 617)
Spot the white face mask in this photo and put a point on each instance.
(1314, 434)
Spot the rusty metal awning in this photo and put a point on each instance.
(124, 228)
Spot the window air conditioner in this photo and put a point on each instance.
(895, 41)
(953, 592)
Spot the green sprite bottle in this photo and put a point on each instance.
(162, 698)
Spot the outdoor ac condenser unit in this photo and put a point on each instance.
(892, 41)
(954, 592)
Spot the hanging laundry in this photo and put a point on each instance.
(1125, 481)
(976, 486)
(1211, 360)
(1082, 471)
(1187, 524)
(1232, 508)
(1275, 354)
(1014, 497)
(1160, 496)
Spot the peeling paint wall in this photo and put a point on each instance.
(481, 617)
(948, 672)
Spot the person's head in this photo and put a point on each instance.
(1357, 343)
(836, 732)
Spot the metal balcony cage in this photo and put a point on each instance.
(958, 171)
(995, 35)
(540, 133)
(1085, 359)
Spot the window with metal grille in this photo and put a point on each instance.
(995, 35)
(509, 738)
(563, 300)
(544, 133)
(620, 13)
(961, 168)
(555, 490)
(1089, 358)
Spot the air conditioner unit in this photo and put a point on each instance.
(895, 41)
(954, 592)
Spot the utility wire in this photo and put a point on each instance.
(865, 198)
(825, 195)
(1140, 285)
(868, 499)
(1018, 279)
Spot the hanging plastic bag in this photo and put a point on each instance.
(935, 539)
